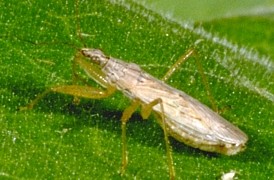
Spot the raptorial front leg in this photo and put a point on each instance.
(80, 91)
(146, 110)
(74, 90)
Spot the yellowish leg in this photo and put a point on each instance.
(124, 119)
(205, 82)
(93, 71)
(80, 91)
(145, 112)
(179, 62)
(74, 90)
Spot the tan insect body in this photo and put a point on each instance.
(186, 119)
(180, 116)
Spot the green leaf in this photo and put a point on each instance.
(61, 140)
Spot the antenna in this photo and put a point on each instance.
(78, 25)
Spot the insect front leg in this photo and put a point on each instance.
(146, 110)
(77, 90)
(74, 90)
(80, 91)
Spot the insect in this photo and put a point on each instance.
(180, 116)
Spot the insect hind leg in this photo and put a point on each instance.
(177, 64)
(180, 61)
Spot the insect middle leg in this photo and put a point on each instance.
(146, 110)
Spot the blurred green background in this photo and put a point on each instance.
(208, 10)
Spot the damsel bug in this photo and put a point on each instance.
(180, 115)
